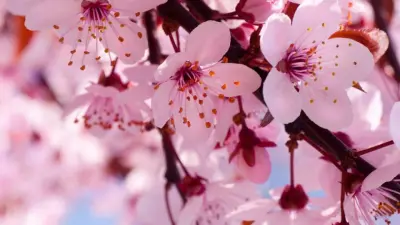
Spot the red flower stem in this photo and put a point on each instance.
(178, 40)
(374, 148)
(242, 113)
(342, 197)
(166, 198)
(291, 160)
(171, 172)
(171, 38)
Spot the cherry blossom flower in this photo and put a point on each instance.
(371, 199)
(247, 149)
(287, 206)
(311, 71)
(113, 103)
(106, 22)
(213, 202)
(191, 83)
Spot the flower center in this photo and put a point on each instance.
(293, 198)
(298, 63)
(192, 186)
(95, 10)
(188, 75)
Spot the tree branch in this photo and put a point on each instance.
(155, 56)
(171, 173)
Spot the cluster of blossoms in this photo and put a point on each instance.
(189, 112)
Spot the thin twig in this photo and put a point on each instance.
(171, 173)
(342, 198)
(174, 45)
(374, 148)
(166, 198)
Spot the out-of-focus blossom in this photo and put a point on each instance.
(111, 102)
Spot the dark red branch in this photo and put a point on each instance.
(374, 148)
(155, 56)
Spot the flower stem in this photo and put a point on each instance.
(342, 197)
(174, 45)
(291, 153)
(374, 148)
(178, 40)
(166, 198)
(171, 173)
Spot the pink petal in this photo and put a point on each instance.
(332, 185)
(380, 176)
(191, 211)
(199, 129)
(170, 66)
(279, 217)
(134, 95)
(141, 74)
(135, 6)
(160, 103)
(77, 102)
(225, 114)
(47, 13)
(306, 217)
(252, 104)
(343, 62)
(273, 43)
(260, 9)
(20, 7)
(254, 210)
(308, 178)
(328, 108)
(315, 20)
(260, 172)
(281, 97)
(232, 79)
(394, 124)
(133, 44)
(102, 91)
(208, 42)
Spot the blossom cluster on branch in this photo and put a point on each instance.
(179, 111)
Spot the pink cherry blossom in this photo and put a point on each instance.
(247, 149)
(371, 201)
(117, 105)
(211, 206)
(311, 71)
(274, 210)
(191, 83)
(106, 22)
